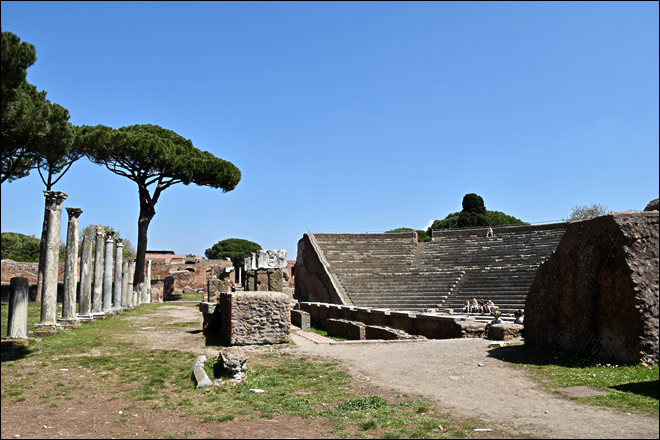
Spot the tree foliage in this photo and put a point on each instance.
(473, 213)
(155, 159)
(585, 212)
(476, 215)
(36, 133)
(19, 247)
(236, 249)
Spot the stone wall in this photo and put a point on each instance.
(255, 318)
(597, 295)
(313, 282)
(190, 274)
(423, 324)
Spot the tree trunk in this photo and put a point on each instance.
(147, 212)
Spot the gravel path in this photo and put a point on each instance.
(449, 373)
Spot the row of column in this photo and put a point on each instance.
(105, 298)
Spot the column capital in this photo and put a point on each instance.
(54, 198)
(74, 212)
(120, 242)
(109, 235)
(99, 230)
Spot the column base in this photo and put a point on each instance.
(85, 317)
(68, 323)
(98, 315)
(45, 328)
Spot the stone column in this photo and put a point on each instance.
(70, 263)
(18, 312)
(124, 284)
(148, 282)
(54, 201)
(107, 273)
(132, 302)
(97, 296)
(85, 308)
(116, 293)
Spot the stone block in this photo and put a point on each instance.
(199, 375)
(501, 332)
(346, 329)
(255, 318)
(300, 319)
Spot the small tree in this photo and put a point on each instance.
(585, 212)
(236, 249)
(473, 213)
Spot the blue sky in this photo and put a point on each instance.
(351, 116)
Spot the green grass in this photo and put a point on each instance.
(319, 390)
(34, 315)
(315, 389)
(322, 332)
(630, 387)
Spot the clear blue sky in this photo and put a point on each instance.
(351, 116)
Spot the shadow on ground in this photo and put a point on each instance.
(13, 350)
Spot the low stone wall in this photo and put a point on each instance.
(428, 325)
(597, 294)
(255, 318)
(346, 329)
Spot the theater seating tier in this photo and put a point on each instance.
(398, 273)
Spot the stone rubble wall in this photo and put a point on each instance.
(597, 294)
(255, 317)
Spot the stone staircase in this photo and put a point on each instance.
(393, 271)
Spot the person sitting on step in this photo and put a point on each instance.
(466, 306)
(518, 314)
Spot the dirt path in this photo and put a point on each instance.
(449, 373)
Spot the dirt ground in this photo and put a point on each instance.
(462, 376)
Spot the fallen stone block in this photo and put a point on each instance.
(345, 329)
(300, 319)
(199, 375)
(501, 332)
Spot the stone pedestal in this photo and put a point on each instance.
(70, 264)
(54, 201)
(18, 310)
(255, 318)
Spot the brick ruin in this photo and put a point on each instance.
(257, 312)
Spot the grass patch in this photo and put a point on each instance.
(630, 387)
(319, 390)
(321, 332)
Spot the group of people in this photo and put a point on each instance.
(479, 306)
